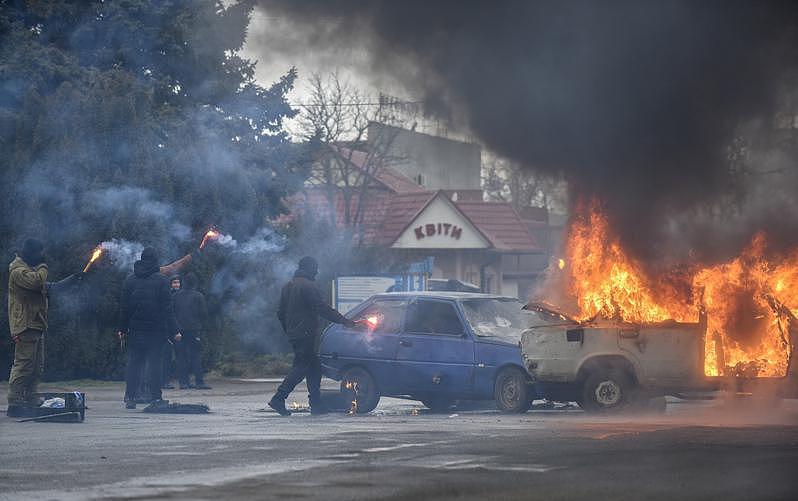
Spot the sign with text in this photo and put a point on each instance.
(443, 229)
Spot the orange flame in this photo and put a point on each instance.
(373, 321)
(209, 235)
(352, 385)
(748, 300)
(98, 251)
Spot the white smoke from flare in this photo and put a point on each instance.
(122, 253)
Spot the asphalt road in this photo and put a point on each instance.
(706, 450)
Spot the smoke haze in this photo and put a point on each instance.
(638, 103)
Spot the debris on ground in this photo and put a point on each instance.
(176, 408)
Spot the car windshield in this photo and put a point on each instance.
(497, 317)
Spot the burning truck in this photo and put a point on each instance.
(627, 337)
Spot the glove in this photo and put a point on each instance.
(196, 253)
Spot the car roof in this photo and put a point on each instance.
(443, 295)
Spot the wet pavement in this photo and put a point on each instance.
(696, 450)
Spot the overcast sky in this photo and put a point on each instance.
(278, 44)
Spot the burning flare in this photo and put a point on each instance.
(749, 301)
(98, 251)
(371, 322)
(209, 235)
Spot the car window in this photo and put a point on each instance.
(498, 317)
(433, 317)
(383, 315)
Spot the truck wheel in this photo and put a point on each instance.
(358, 386)
(511, 391)
(606, 391)
(437, 404)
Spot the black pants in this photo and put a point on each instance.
(306, 366)
(189, 358)
(144, 351)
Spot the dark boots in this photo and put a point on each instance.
(278, 404)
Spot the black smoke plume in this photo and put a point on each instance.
(637, 103)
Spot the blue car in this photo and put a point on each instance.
(434, 347)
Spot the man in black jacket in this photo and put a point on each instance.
(191, 313)
(300, 307)
(147, 319)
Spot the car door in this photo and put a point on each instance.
(667, 354)
(372, 346)
(435, 352)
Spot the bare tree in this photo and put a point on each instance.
(349, 152)
(508, 181)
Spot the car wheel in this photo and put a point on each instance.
(511, 391)
(606, 391)
(358, 385)
(437, 404)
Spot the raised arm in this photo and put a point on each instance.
(175, 267)
(66, 282)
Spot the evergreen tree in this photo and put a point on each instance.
(135, 120)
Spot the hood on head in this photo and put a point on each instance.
(308, 268)
(148, 264)
(32, 252)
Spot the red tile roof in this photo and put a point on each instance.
(501, 224)
(314, 202)
(385, 215)
(401, 211)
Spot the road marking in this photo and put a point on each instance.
(529, 468)
(473, 462)
(393, 447)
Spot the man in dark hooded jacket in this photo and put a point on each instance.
(301, 305)
(147, 319)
